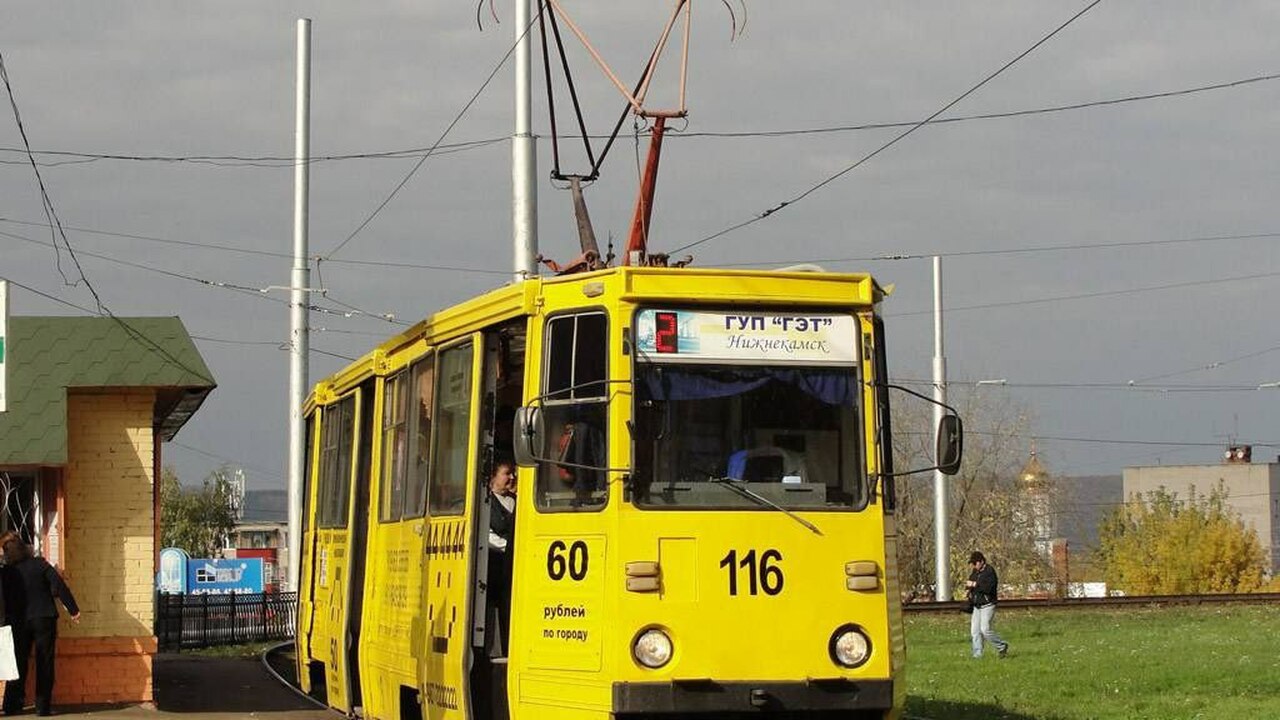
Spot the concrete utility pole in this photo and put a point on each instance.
(524, 158)
(941, 569)
(299, 299)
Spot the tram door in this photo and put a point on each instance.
(306, 579)
(359, 541)
(501, 392)
(331, 572)
(443, 653)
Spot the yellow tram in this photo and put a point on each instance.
(704, 514)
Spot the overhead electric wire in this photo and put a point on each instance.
(1007, 251)
(1087, 296)
(980, 116)
(224, 458)
(920, 255)
(458, 118)
(1105, 441)
(1210, 366)
(51, 215)
(276, 161)
(262, 161)
(150, 238)
(787, 203)
(242, 289)
(267, 253)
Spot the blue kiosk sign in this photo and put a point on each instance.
(223, 577)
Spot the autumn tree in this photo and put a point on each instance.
(1158, 544)
(198, 520)
(987, 510)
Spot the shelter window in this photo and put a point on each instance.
(575, 408)
(30, 508)
(338, 426)
(395, 438)
(448, 491)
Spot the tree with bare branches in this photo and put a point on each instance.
(988, 509)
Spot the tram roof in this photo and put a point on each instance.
(802, 286)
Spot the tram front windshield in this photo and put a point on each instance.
(736, 436)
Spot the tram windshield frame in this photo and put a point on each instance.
(792, 435)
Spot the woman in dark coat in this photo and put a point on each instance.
(502, 524)
(30, 584)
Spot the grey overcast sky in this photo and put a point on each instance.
(1190, 323)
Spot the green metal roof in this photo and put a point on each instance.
(47, 357)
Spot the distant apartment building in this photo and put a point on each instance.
(1253, 491)
(263, 531)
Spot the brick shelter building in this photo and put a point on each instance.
(90, 400)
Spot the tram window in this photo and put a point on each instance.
(576, 414)
(394, 438)
(419, 469)
(309, 455)
(577, 347)
(338, 428)
(788, 434)
(447, 494)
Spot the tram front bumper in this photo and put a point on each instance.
(712, 696)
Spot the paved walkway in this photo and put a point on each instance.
(206, 688)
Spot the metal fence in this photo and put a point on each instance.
(192, 621)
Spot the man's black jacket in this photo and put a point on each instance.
(984, 591)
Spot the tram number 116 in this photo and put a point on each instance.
(764, 574)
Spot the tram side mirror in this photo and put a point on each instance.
(950, 444)
(530, 436)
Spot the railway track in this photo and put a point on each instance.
(1118, 601)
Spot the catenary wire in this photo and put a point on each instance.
(1010, 251)
(458, 118)
(247, 290)
(276, 161)
(788, 203)
(1086, 296)
(52, 216)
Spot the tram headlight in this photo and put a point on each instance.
(652, 648)
(850, 647)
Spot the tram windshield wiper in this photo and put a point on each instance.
(761, 500)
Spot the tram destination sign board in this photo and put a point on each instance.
(700, 336)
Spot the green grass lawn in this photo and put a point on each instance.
(1158, 663)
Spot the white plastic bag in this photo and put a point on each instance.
(8, 662)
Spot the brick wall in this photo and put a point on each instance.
(108, 549)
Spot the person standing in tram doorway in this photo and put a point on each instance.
(502, 526)
(30, 584)
(983, 584)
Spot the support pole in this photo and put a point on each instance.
(299, 300)
(524, 159)
(942, 543)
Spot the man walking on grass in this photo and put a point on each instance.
(982, 584)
